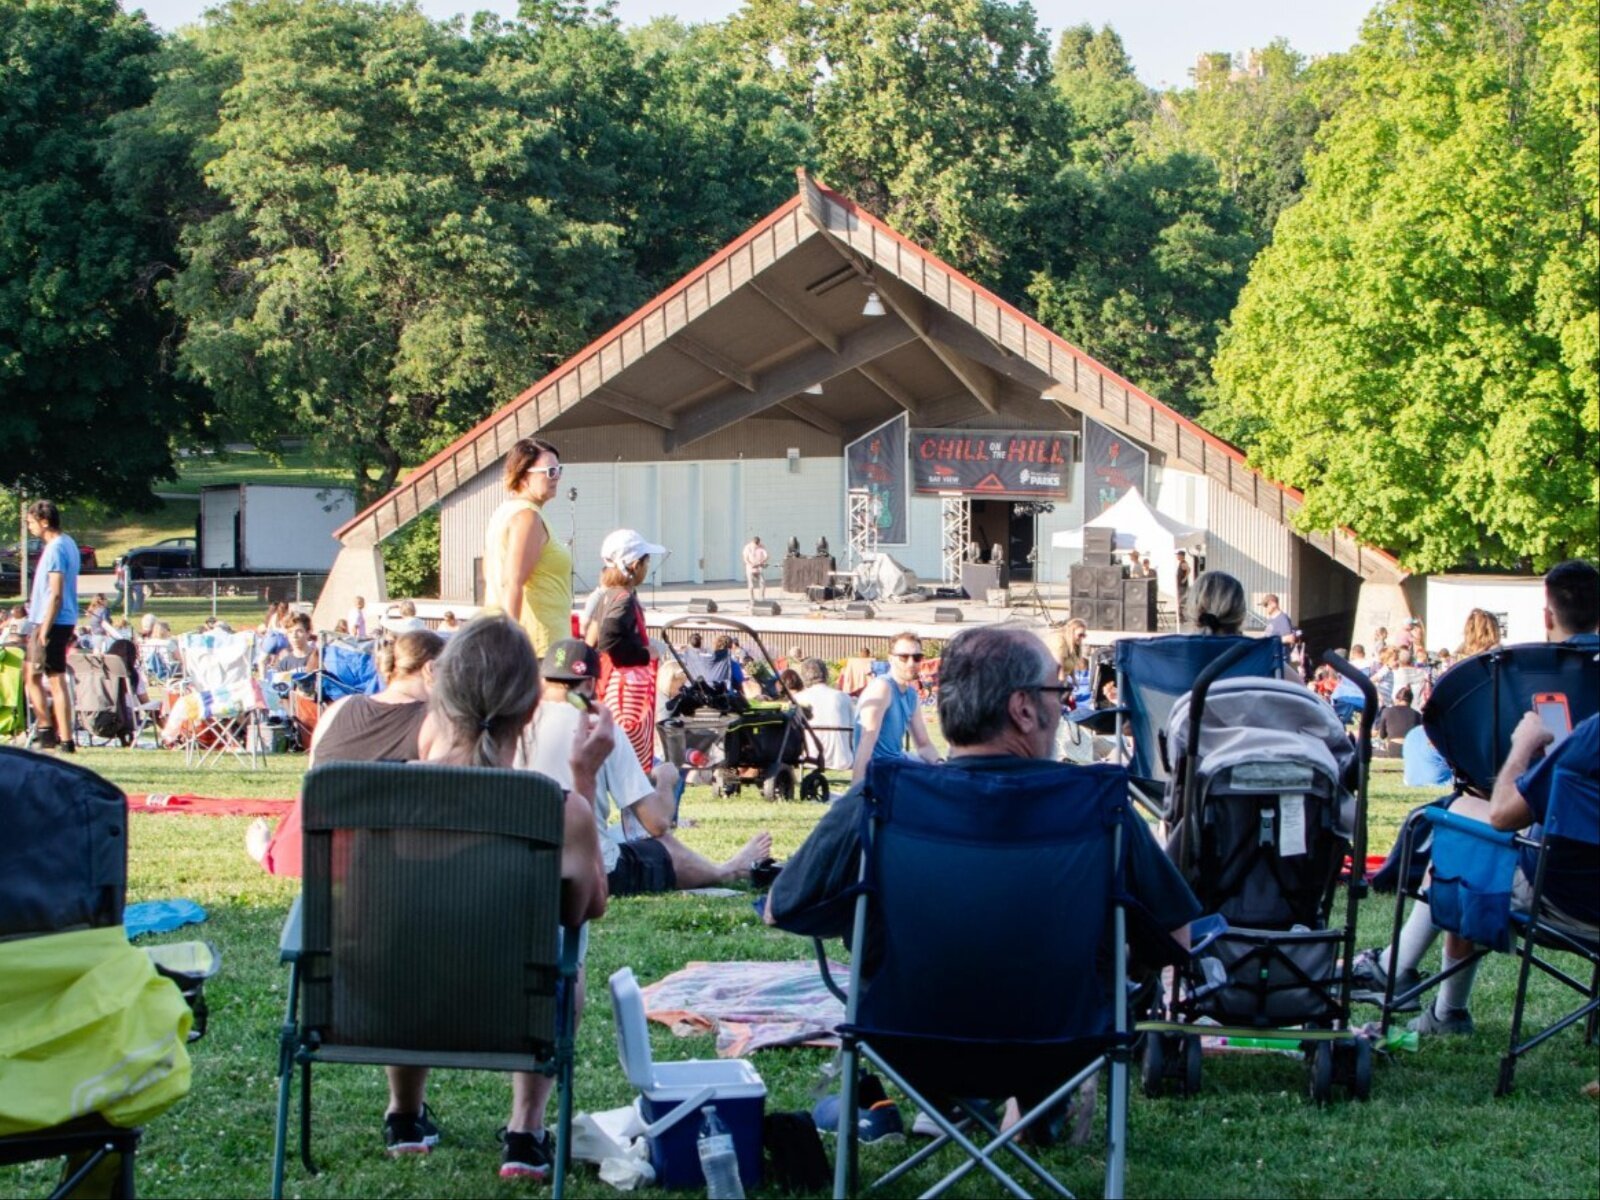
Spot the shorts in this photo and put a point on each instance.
(1522, 901)
(642, 867)
(51, 658)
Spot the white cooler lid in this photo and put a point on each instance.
(733, 1078)
(633, 1034)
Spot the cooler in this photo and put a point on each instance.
(673, 1095)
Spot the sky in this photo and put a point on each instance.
(1162, 36)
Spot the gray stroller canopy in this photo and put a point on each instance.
(1255, 720)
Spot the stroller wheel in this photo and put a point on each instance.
(1153, 1067)
(1191, 1065)
(814, 788)
(727, 783)
(1361, 1069)
(778, 786)
(1322, 1073)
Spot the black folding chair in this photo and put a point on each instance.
(427, 932)
(988, 957)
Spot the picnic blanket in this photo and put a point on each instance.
(749, 1005)
(207, 806)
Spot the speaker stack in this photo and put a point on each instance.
(1097, 547)
(1139, 605)
(1099, 595)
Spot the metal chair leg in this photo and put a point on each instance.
(305, 1118)
(844, 1168)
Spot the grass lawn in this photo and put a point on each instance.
(292, 468)
(1432, 1127)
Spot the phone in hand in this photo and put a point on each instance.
(1553, 711)
(579, 701)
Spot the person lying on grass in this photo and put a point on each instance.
(641, 853)
(485, 692)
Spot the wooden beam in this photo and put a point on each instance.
(880, 379)
(790, 307)
(707, 357)
(963, 338)
(813, 416)
(628, 406)
(788, 380)
(913, 310)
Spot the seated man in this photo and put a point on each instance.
(890, 710)
(995, 720)
(641, 854)
(832, 714)
(1521, 796)
(999, 706)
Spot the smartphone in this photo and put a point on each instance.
(1553, 711)
(579, 701)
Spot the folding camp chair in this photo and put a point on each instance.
(988, 956)
(427, 932)
(102, 697)
(13, 696)
(222, 704)
(1469, 719)
(1152, 673)
(349, 667)
(87, 1061)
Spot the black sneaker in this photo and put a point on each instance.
(410, 1133)
(67, 747)
(1368, 980)
(44, 737)
(525, 1155)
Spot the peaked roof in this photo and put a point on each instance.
(1144, 527)
(761, 335)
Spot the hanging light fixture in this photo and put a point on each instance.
(874, 306)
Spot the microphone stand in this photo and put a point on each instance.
(572, 539)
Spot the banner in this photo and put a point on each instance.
(877, 462)
(1112, 467)
(991, 462)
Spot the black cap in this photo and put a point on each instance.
(570, 661)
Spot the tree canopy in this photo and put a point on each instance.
(1417, 347)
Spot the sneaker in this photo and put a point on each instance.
(67, 747)
(877, 1118)
(44, 737)
(410, 1133)
(1454, 1021)
(525, 1155)
(1368, 981)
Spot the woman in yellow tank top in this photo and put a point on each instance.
(527, 573)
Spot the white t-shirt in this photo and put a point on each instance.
(546, 747)
(356, 621)
(833, 716)
(755, 556)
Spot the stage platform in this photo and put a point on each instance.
(825, 630)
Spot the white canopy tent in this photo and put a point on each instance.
(1135, 525)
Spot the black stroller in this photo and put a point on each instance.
(1266, 805)
(712, 726)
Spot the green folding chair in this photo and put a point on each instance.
(427, 932)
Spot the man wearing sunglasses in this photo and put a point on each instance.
(890, 710)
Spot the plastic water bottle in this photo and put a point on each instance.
(718, 1160)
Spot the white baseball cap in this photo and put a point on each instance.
(624, 547)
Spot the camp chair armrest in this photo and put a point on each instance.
(292, 940)
(1443, 818)
(827, 975)
(1099, 720)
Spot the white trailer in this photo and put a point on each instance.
(264, 529)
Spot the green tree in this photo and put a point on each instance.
(392, 251)
(88, 407)
(938, 116)
(1417, 348)
(1110, 107)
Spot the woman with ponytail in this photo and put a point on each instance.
(1216, 604)
(485, 690)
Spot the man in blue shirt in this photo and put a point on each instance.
(890, 710)
(52, 615)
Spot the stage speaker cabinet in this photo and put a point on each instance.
(819, 593)
(1100, 558)
(702, 604)
(1083, 609)
(1108, 583)
(766, 608)
(1083, 580)
(1107, 614)
(860, 611)
(1139, 618)
(1139, 592)
(947, 616)
(1097, 539)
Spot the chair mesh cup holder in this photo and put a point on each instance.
(189, 965)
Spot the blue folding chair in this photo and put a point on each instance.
(971, 978)
(1152, 673)
(348, 668)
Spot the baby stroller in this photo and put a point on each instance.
(1266, 803)
(711, 726)
(102, 697)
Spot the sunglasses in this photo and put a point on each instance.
(553, 472)
(907, 657)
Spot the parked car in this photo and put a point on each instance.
(173, 558)
(11, 568)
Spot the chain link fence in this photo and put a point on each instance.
(223, 591)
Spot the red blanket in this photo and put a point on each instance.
(207, 806)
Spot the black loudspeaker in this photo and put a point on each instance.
(1139, 591)
(1096, 539)
(766, 608)
(947, 616)
(1108, 583)
(861, 611)
(1139, 618)
(819, 593)
(1083, 609)
(1099, 558)
(702, 604)
(1107, 614)
(1083, 580)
